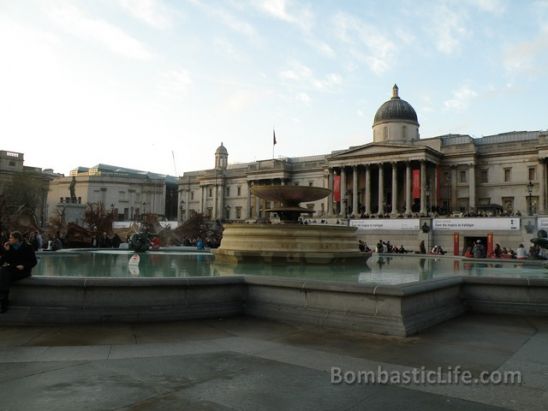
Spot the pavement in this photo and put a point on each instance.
(245, 363)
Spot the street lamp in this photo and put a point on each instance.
(530, 190)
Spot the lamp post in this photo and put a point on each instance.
(530, 190)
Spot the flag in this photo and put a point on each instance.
(274, 137)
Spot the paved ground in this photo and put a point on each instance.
(251, 364)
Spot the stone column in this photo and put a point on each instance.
(394, 188)
(436, 186)
(330, 196)
(248, 205)
(541, 187)
(355, 191)
(215, 197)
(257, 207)
(423, 187)
(187, 203)
(222, 210)
(381, 190)
(367, 189)
(202, 189)
(454, 188)
(342, 212)
(408, 188)
(472, 187)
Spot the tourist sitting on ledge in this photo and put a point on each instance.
(437, 250)
(468, 252)
(521, 252)
(200, 244)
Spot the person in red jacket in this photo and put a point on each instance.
(16, 261)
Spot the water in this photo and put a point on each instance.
(379, 269)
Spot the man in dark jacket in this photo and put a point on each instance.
(16, 262)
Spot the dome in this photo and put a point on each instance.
(395, 109)
(221, 150)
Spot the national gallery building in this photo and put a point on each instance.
(398, 176)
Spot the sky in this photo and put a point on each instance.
(157, 85)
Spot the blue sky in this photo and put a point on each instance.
(137, 82)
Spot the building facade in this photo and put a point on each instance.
(127, 193)
(399, 174)
(30, 190)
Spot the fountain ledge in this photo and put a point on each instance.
(399, 310)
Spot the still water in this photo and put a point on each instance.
(379, 269)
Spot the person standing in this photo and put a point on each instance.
(16, 262)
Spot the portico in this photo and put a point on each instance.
(364, 183)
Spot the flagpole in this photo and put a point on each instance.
(273, 141)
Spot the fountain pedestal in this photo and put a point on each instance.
(289, 241)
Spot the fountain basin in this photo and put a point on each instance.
(289, 243)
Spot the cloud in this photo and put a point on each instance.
(303, 98)
(289, 12)
(299, 73)
(496, 7)
(224, 47)
(366, 41)
(461, 98)
(74, 21)
(152, 12)
(323, 48)
(240, 101)
(448, 29)
(228, 19)
(175, 82)
(525, 56)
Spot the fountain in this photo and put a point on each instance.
(289, 241)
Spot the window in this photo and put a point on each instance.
(462, 176)
(192, 195)
(484, 176)
(228, 191)
(238, 212)
(508, 204)
(532, 173)
(61, 199)
(12, 163)
(507, 175)
(210, 192)
(227, 213)
(239, 191)
(311, 183)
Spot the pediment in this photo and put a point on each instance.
(378, 150)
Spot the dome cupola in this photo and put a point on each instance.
(395, 121)
(221, 157)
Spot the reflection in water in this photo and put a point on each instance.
(379, 269)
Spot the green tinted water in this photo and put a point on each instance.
(393, 269)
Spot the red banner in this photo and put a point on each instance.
(337, 188)
(489, 244)
(456, 250)
(416, 183)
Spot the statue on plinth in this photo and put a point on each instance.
(72, 189)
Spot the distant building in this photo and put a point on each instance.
(128, 193)
(398, 174)
(12, 169)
